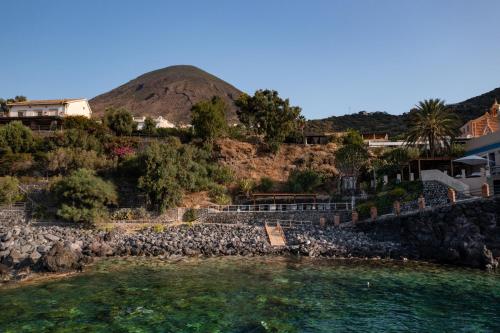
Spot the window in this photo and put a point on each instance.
(39, 113)
(20, 113)
(492, 161)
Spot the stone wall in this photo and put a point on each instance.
(261, 217)
(467, 233)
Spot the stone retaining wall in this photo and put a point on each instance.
(261, 217)
(467, 233)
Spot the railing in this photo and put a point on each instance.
(277, 208)
(287, 223)
(16, 206)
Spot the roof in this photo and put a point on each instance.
(46, 102)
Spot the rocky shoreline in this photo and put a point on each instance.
(25, 249)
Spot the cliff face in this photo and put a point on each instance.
(169, 92)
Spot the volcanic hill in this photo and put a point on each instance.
(169, 92)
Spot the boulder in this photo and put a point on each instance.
(60, 259)
(4, 272)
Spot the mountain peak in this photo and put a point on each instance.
(169, 92)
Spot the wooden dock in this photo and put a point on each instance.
(276, 235)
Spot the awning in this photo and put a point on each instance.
(472, 160)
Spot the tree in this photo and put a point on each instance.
(350, 159)
(209, 119)
(119, 121)
(267, 114)
(83, 197)
(9, 190)
(16, 137)
(352, 137)
(304, 180)
(149, 126)
(159, 179)
(434, 123)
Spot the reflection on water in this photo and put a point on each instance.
(256, 295)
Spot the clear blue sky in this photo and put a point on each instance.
(329, 57)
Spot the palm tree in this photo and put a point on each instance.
(433, 122)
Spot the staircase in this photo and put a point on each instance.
(276, 235)
(436, 175)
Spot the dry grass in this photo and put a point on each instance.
(247, 162)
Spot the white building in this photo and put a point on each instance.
(160, 122)
(49, 108)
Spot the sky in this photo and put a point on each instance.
(328, 57)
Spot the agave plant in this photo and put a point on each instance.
(433, 123)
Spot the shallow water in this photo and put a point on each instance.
(256, 295)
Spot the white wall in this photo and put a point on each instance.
(78, 108)
(75, 108)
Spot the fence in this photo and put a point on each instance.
(287, 223)
(334, 206)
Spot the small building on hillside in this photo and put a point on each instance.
(159, 121)
(45, 114)
(50, 108)
(375, 136)
(486, 124)
(320, 138)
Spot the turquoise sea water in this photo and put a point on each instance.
(256, 295)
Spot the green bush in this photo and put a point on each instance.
(221, 174)
(129, 214)
(363, 209)
(266, 184)
(119, 121)
(83, 197)
(9, 190)
(15, 163)
(16, 137)
(63, 160)
(397, 193)
(218, 194)
(190, 215)
(246, 186)
(304, 181)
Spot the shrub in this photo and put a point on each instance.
(397, 193)
(119, 121)
(246, 186)
(266, 184)
(304, 180)
(77, 138)
(221, 174)
(9, 190)
(64, 160)
(83, 197)
(218, 194)
(159, 228)
(15, 164)
(16, 137)
(363, 209)
(190, 215)
(129, 214)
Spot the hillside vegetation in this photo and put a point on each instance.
(395, 125)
